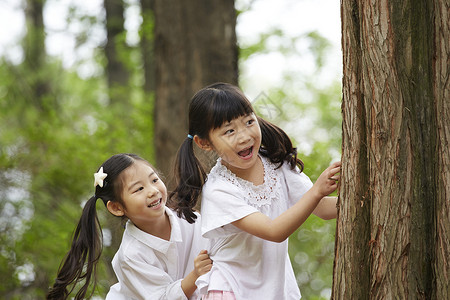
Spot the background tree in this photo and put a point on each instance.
(117, 73)
(39, 97)
(58, 120)
(195, 45)
(147, 46)
(56, 128)
(119, 89)
(393, 226)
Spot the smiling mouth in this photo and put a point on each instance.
(156, 203)
(246, 152)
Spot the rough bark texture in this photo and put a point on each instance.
(392, 233)
(195, 45)
(353, 225)
(441, 89)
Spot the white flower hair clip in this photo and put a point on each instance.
(99, 177)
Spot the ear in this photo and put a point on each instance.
(115, 208)
(203, 144)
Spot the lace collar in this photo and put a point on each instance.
(259, 195)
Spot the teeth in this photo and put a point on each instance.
(155, 204)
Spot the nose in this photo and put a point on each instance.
(244, 136)
(152, 191)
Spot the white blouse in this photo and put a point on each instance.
(148, 267)
(253, 268)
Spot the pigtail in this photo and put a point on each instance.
(189, 178)
(81, 260)
(277, 146)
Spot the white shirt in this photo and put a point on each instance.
(148, 267)
(253, 268)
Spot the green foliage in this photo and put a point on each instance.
(51, 143)
(56, 127)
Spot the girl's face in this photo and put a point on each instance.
(144, 195)
(237, 142)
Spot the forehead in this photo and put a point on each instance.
(137, 169)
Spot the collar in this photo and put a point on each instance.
(154, 242)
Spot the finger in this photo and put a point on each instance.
(336, 164)
(203, 257)
(336, 169)
(204, 266)
(333, 172)
(207, 268)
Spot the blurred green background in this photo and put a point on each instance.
(56, 125)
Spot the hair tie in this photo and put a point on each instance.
(190, 136)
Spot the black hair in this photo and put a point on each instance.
(209, 109)
(80, 262)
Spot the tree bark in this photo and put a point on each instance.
(441, 94)
(392, 229)
(195, 45)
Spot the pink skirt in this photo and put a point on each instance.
(219, 295)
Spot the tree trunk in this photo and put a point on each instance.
(119, 93)
(35, 57)
(147, 45)
(116, 71)
(37, 91)
(441, 94)
(195, 45)
(392, 238)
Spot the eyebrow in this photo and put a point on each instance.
(227, 124)
(130, 187)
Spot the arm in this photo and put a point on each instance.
(202, 265)
(280, 228)
(326, 209)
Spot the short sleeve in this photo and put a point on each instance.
(222, 204)
(297, 183)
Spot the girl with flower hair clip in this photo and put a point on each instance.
(160, 255)
(252, 200)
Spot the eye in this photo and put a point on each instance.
(251, 119)
(139, 189)
(155, 180)
(229, 131)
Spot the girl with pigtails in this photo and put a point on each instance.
(160, 255)
(252, 200)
